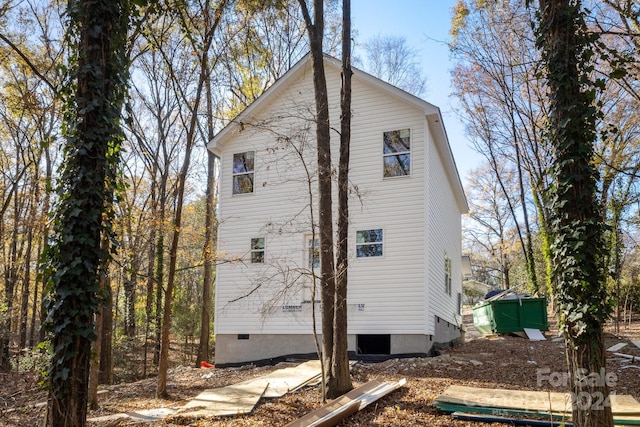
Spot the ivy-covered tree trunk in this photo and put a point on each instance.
(576, 220)
(95, 94)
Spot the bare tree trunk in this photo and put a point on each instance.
(26, 288)
(315, 28)
(161, 389)
(35, 308)
(43, 242)
(159, 279)
(96, 351)
(341, 375)
(130, 298)
(106, 347)
(209, 233)
(150, 284)
(528, 245)
(11, 280)
(163, 365)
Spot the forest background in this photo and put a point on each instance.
(501, 98)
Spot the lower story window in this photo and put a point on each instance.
(313, 252)
(257, 250)
(447, 275)
(369, 243)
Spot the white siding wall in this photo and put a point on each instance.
(443, 239)
(391, 287)
(387, 294)
(276, 211)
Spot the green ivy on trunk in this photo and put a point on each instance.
(94, 94)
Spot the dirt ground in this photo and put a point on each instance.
(500, 362)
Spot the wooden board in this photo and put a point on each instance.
(347, 404)
(234, 399)
(143, 416)
(508, 421)
(624, 420)
(533, 401)
(230, 400)
(284, 380)
(534, 334)
(451, 407)
(617, 347)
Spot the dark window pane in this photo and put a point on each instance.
(243, 162)
(243, 184)
(399, 165)
(369, 236)
(257, 250)
(314, 253)
(257, 257)
(257, 243)
(396, 141)
(369, 250)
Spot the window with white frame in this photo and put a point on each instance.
(312, 252)
(257, 250)
(447, 275)
(369, 243)
(243, 170)
(397, 153)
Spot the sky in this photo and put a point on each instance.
(425, 25)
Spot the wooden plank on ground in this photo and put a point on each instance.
(329, 415)
(630, 357)
(508, 420)
(617, 347)
(534, 334)
(347, 404)
(143, 416)
(230, 400)
(451, 407)
(510, 399)
(533, 401)
(284, 380)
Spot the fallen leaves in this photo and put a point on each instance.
(506, 362)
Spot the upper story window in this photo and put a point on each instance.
(243, 168)
(369, 243)
(447, 275)
(257, 250)
(397, 153)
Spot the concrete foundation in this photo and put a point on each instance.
(236, 350)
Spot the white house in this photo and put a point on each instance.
(404, 289)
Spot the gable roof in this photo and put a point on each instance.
(431, 112)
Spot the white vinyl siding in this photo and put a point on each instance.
(275, 211)
(390, 288)
(444, 228)
(387, 294)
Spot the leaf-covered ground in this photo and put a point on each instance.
(504, 362)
